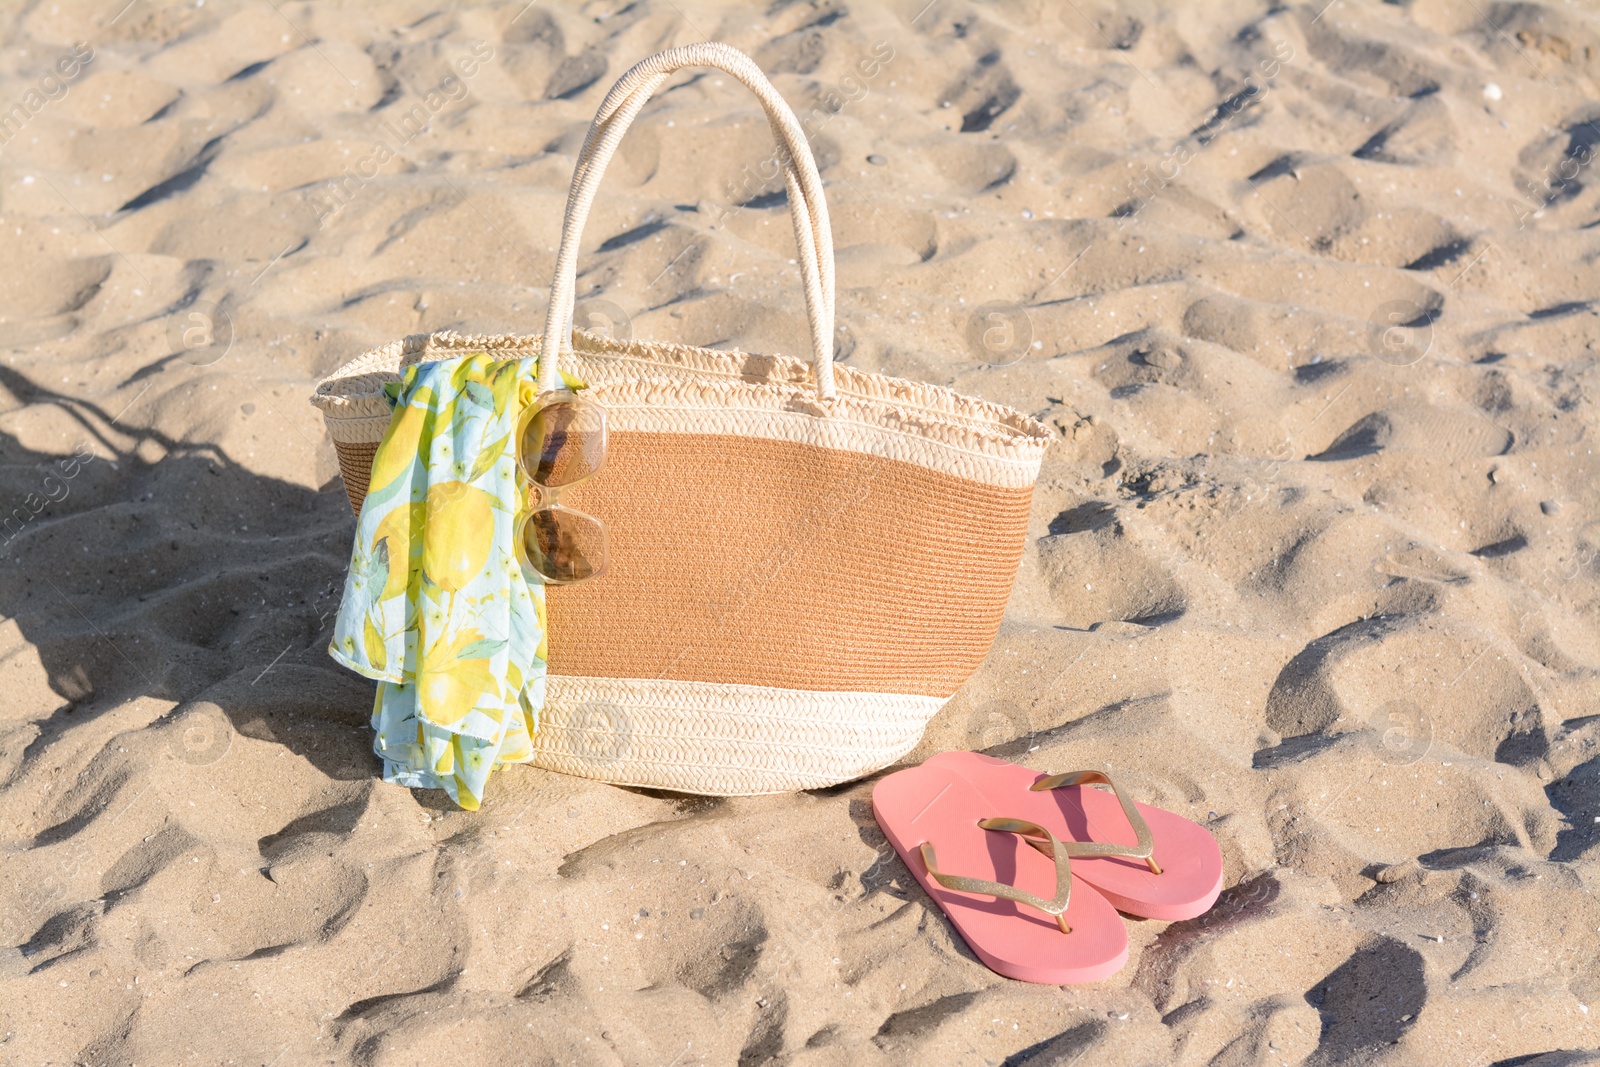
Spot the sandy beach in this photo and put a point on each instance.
(1310, 293)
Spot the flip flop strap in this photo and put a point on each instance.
(1144, 850)
(1039, 838)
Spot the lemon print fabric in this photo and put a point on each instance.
(437, 606)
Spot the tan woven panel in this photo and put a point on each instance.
(355, 464)
(759, 562)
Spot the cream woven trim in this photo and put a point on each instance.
(908, 444)
(355, 390)
(366, 430)
(722, 740)
(673, 388)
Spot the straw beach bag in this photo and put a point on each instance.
(806, 561)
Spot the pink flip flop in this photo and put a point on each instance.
(1145, 860)
(1024, 915)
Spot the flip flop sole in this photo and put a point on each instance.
(940, 807)
(1190, 861)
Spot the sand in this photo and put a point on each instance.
(1309, 293)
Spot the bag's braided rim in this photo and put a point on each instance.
(722, 740)
(351, 398)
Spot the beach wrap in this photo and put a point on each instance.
(437, 606)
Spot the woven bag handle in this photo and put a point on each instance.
(807, 207)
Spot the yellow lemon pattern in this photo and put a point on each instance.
(437, 607)
(457, 522)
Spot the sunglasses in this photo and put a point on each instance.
(561, 440)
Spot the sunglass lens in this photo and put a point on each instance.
(562, 440)
(564, 545)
